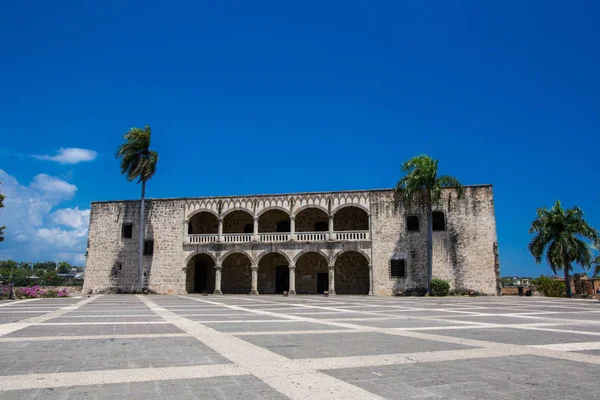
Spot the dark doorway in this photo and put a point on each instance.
(200, 277)
(322, 282)
(282, 279)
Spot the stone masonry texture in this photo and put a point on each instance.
(463, 253)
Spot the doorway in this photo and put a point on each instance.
(200, 277)
(322, 282)
(282, 278)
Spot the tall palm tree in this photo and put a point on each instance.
(138, 162)
(421, 178)
(562, 236)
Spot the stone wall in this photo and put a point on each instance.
(463, 252)
(112, 260)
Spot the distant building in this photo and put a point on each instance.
(355, 242)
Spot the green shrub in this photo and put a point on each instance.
(439, 287)
(549, 287)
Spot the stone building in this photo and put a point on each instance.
(354, 242)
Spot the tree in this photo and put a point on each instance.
(138, 162)
(562, 235)
(2, 228)
(63, 267)
(421, 178)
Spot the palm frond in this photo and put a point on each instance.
(137, 161)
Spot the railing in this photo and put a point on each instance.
(352, 235)
(311, 236)
(202, 238)
(237, 237)
(277, 237)
(273, 237)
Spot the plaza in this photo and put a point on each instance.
(299, 347)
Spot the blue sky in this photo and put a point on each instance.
(261, 97)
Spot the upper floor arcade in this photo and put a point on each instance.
(343, 216)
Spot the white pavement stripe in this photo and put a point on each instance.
(277, 371)
(569, 346)
(62, 379)
(15, 302)
(93, 337)
(104, 323)
(15, 326)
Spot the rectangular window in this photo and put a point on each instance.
(397, 269)
(127, 231)
(439, 222)
(148, 247)
(412, 223)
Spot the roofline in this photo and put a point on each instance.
(266, 195)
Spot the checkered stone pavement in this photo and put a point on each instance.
(301, 347)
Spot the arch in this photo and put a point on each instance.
(351, 218)
(190, 215)
(223, 215)
(273, 273)
(360, 251)
(235, 221)
(338, 208)
(194, 254)
(310, 219)
(300, 209)
(203, 222)
(200, 273)
(264, 253)
(230, 252)
(352, 274)
(267, 209)
(272, 219)
(312, 272)
(319, 251)
(236, 273)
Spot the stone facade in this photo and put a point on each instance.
(343, 242)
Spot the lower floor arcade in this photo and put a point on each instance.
(310, 272)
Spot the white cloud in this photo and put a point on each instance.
(72, 217)
(54, 187)
(35, 229)
(70, 155)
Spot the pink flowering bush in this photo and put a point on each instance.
(35, 292)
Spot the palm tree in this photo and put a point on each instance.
(561, 235)
(421, 177)
(138, 162)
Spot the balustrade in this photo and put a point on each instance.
(277, 237)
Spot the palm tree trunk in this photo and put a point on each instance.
(567, 267)
(429, 241)
(141, 246)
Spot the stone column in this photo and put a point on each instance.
(254, 279)
(255, 238)
(293, 228)
(218, 268)
(331, 289)
(220, 231)
(331, 227)
(186, 227)
(292, 289)
(370, 280)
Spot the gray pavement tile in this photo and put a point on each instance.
(529, 377)
(590, 352)
(404, 323)
(90, 355)
(224, 388)
(268, 326)
(593, 328)
(345, 344)
(516, 336)
(87, 330)
(225, 317)
(121, 318)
